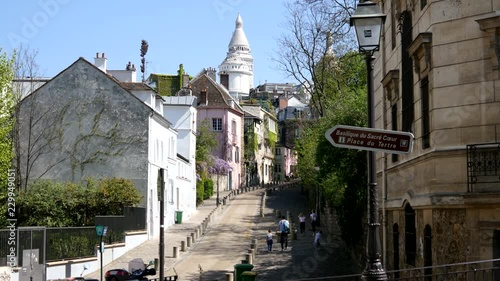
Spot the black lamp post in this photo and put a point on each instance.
(368, 21)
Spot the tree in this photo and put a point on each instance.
(342, 174)
(219, 168)
(39, 142)
(7, 108)
(205, 143)
(144, 51)
(319, 30)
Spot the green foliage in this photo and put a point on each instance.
(55, 204)
(7, 107)
(167, 85)
(342, 174)
(273, 137)
(208, 188)
(200, 191)
(206, 141)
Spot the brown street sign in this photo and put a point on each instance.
(371, 139)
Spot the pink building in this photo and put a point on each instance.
(225, 116)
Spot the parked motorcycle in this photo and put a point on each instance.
(137, 272)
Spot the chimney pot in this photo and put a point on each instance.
(102, 55)
(97, 54)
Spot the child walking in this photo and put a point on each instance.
(317, 237)
(269, 241)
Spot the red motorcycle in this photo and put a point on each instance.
(137, 272)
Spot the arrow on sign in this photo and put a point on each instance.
(371, 139)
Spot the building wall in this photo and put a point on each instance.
(464, 107)
(80, 132)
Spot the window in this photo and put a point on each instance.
(237, 155)
(172, 148)
(410, 235)
(233, 127)
(393, 25)
(278, 168)
(230, 154)
(422, 4)
(394, 117)
(407, 72)
(424, 89)
(217, 124)
(278, 151)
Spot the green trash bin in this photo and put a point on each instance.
(239, 269)
(248, 276)
(178, 217)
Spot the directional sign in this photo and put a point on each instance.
(370, 139)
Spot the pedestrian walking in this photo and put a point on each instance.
(269, 241)
(302, 220)
(317, 238)
(314, 218)
(284, 227)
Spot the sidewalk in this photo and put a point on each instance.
(174, 234)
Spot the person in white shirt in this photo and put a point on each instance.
(302, 220)
(269, 241)
(314, 218)
(284, 227)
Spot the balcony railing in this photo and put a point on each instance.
(485, 270)
(483, 167)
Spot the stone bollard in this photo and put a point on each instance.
(252, 252)
(256, 243)
(224, 201)
(176, 252)
(198, 232)
(183, 246)
(248, 258)
(229, 276)
(188, 241)
(192, 237)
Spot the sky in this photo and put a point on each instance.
(194, 33)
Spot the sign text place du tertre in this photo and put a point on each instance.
(370, 139)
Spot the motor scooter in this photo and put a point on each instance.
(137, 272)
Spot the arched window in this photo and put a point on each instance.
(395, 247)
(428, 252)
(410, 235)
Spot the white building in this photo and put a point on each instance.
(236, 71)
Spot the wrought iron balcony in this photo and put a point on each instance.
(483, 167)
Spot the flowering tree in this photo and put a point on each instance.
(219, 167)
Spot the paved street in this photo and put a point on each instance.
(230, 234)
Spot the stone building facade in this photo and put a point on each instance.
(437, 76)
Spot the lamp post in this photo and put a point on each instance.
(368, 20)
(263, 159)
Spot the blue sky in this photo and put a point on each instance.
(195, 33)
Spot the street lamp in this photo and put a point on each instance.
(263, 159)
(368, 20)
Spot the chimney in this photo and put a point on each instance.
(185, 80)
(211, 72)
(101, 62)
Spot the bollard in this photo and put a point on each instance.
(197, 232)
(249, 258)
(183, 246)
(192, 237)
(229, 276)
(255, 242)
(188, 241)
(176, 252)
(252, 252)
